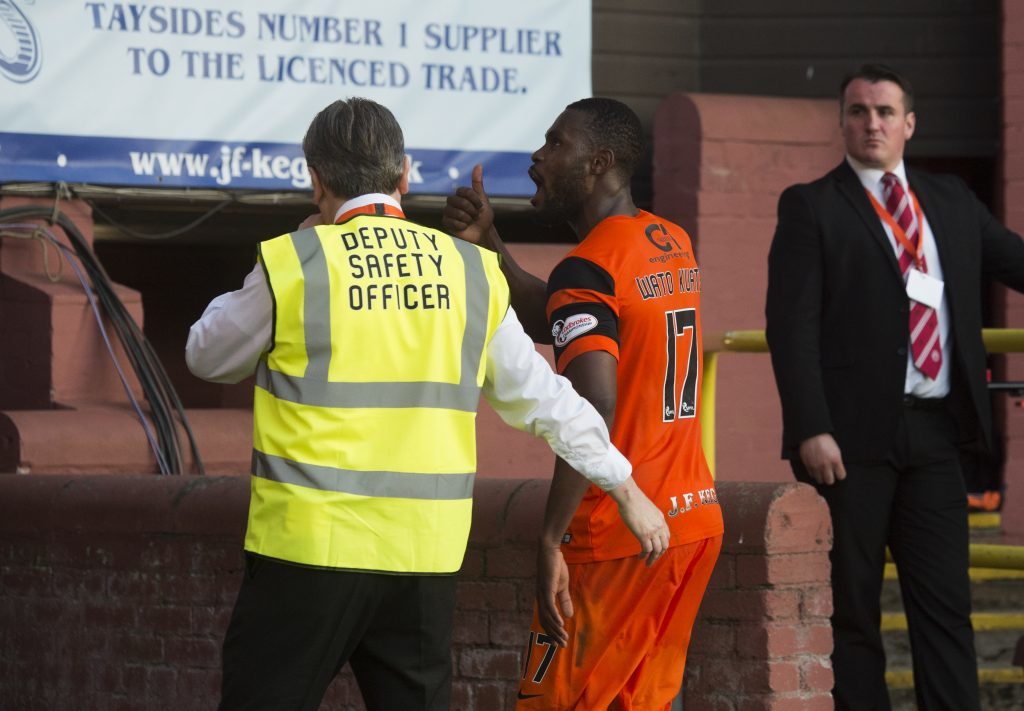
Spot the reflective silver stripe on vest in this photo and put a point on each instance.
(392, 485)
(478, 299)
(448, 396)
(314, 389)
(317, 300)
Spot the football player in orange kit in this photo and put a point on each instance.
(622, 310)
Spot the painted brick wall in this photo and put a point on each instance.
(115, 592)
(763, 637)
(1013, 215)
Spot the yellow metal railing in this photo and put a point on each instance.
(736, 342)
(996, 340)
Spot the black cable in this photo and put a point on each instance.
(160, 235)
(166, 408)
(35, 231)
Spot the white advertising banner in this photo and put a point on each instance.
(218, 93)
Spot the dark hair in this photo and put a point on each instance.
(356, 147)
(613, 125)
(875, 73)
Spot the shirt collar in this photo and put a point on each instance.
(364, 200)
(871, 178)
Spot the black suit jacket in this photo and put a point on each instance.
(837, 310)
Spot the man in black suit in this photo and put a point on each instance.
(874, 325)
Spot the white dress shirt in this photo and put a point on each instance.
(226, 343)
(917, 383)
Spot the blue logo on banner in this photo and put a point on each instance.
(22, 64)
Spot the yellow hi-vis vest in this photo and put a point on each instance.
(365, 407)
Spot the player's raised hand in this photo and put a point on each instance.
(468, 214)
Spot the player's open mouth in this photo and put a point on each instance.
(539, 182)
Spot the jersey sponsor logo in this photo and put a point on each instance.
(705, 497)
(661, 238)
(564, 330)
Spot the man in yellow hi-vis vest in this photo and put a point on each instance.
(371, 338)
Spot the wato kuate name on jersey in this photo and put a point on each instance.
(658, 284)
(388, 254)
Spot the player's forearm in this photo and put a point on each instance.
(564, 496)
(529, 297)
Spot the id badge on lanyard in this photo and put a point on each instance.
(924, 288)
(921, 286)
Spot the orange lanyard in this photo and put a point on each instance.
(897, 231)
(378, 208)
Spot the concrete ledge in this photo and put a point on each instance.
(109, 439)
(764, 517)
(48, 506)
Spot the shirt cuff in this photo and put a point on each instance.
(606, 475)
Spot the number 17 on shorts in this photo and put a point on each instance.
(540, 652)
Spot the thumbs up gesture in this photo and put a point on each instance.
(468, 214)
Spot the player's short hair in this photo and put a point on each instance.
(613, 125)
(875, 73)
(356, 147)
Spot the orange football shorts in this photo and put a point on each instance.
(627, 637)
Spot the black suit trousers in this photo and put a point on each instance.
(914, 502)
(293, 628)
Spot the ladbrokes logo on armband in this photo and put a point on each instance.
(564, 330)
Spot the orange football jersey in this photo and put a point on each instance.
(632, 288)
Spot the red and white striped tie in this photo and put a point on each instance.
(925, 345)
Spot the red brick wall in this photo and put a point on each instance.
(721, 163)
(115, 593)
(1013, 214)
(763, 638)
